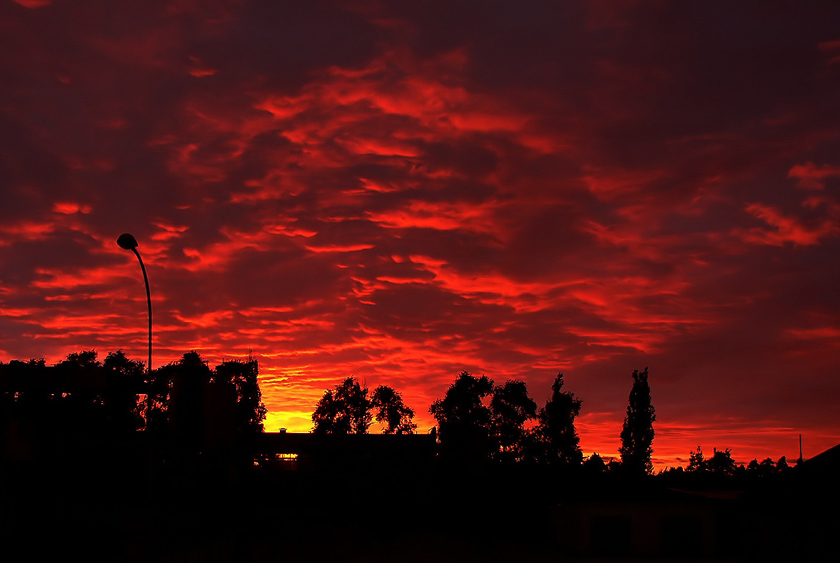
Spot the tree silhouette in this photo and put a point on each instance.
(125, 379)
(637, 433)
(721, 463)
(511, 407)
(767, 467)
(250, 411)
(80, 360)
(696, 461)
(594, 464)
(79, 410)
(463, 421)
(188, 380)
(159, 399)
(556, 435)
(345, 409)
(391, 409)
(96, 400)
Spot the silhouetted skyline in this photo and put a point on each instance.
(398, 194)
(202, 481)
(86, 408)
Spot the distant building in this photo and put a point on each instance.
(304, 451)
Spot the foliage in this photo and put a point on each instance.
(556, 432)
(89, 412)
(391, 409)
(511, 407)
(595, 464)
(250, 411)
(197, 406)
(188, 380)
(721, 463)
(122, 395)
(158, 400)
(345, 409)
(470, 427)
(463, 420)
(767, 467)
(74, 404)
(637, 433)
(696, 461)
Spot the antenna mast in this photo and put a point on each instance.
(800, 450)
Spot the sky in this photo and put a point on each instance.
(401, 191)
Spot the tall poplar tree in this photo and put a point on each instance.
(637, 434)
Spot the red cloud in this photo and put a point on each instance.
(811, 176)
(33, 3)
(787, 229)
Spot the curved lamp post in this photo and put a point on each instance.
(128, 242)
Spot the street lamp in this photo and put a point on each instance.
(128, 242)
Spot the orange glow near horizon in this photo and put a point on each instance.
(361, 191)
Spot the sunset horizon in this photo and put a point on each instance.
(609, 430)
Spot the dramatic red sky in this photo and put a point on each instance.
(400, 191)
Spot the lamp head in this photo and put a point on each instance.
(127, 241)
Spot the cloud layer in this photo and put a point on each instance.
(402, 193)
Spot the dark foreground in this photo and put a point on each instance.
(195, 511)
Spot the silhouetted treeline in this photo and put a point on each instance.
(468, 429)
(721, 468)
(82, 407)
(77, 408)
(479, 421)
(114, 464)
(347, 409)
(104, 461)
